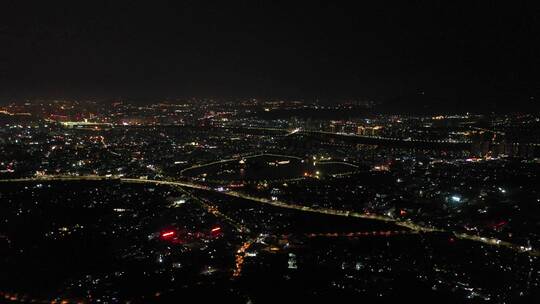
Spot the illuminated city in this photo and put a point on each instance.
(245, 197)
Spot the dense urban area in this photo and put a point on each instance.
(260, 201)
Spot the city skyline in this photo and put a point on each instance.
(260, 151)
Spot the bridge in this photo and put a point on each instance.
(393, 141)
(360, 139)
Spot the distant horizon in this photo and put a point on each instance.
(421, 104)
(476, 54)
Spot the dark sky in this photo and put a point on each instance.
(483, 51)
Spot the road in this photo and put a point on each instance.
(223, 161)
(279, 204)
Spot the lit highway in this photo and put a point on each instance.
(240, 256)
(376, 217)
(215, 211)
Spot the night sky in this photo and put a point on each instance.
(464, 52)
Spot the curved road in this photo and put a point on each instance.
(406, 224)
